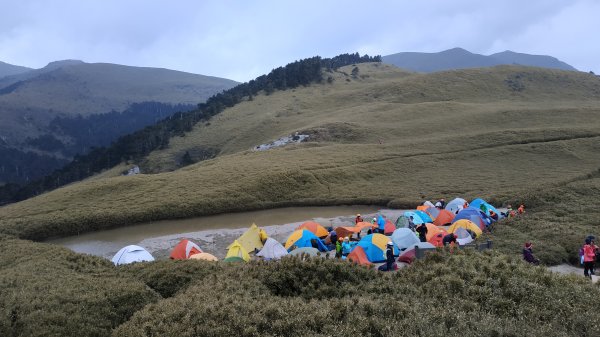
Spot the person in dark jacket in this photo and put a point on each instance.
(449, 238)
(528, 254)
(389, 256)
(422, 230)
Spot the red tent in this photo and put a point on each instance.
(184, 250)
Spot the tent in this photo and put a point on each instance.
(237, 250)
(305, 250)
(315, 228)
(433, 212)
(417, 220)
(435, 234)
(464, 237)
(272, 250)
(374, 246)
(424, 216)
(204, 256)
(477, 204)
(302, 238)
(475, 216)
(466, 224)
(455, 205)
(402, 222)
(184, 249)
(130, 254)
(389, 228)
(251, 239)
(234, 259)
(358, 255)
(363, 224)
(344, 231)
(404, 238)
(444, 218)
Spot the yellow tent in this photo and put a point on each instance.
(466, 224)
(237, 250)
(252, 239)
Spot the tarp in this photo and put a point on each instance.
(305, 250)
(444, 218)
(130, 254)
(237, 250)
(359, 256)
(184, 249)
(404, 238)
(204, 256)
(364, 225)
(375, 245)
(251, 239)
(455, 205)
(315, 228)
(466, 224)
(474, 215)
(302, 238)
(417, 220)
(272, 250)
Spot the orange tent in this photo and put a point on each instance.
(435, 235)
(422, 208)
(315, 228)
(184, 250)
(444, 218)
(358, 256)
(364, 224)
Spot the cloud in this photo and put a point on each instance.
(244, 39)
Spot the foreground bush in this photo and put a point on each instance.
(47, 290)
(466, 294)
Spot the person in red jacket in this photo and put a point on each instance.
(358, 219)
(589, 256)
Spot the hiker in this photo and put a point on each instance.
(521, 209)
(358, 219)
(338, 248)
(438, 205)
(528, 254)
(422, 230)
(589, 255)
(314, 243)
(449, 239)
(493, 215)
(411, 224)
(389, 256)
(346, 247)
(465, 205)
(333, 236)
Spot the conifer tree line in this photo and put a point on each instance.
(139, 144)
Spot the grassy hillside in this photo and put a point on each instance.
(467, 133)
(7, 69)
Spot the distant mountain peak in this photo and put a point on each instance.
(459, 58)
(62, 63)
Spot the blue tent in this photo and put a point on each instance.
(477, 204)
(417, 220)
(475, 215)
(302, 238)
(424, 216)
(375, 245)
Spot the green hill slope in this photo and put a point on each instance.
(381, 136)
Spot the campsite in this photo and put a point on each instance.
(297, 168)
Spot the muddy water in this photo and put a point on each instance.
(214, 233)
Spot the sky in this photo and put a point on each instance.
(243, 39)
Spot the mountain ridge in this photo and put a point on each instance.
(459, 58)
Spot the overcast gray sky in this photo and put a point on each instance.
(244, 39)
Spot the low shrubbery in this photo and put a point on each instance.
(465, 294)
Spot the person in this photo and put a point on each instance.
(493, 215)
(422, 230)
(483, 208)
(528, 253)
(358, 219)
(589, 255)
(438, 205)
(443, 202)
(465, 205)
(338, 248)
(449, 239)
(521, 209)
(374, 221)
(411, 224)
(314, 243)
(389, 256)
(333, 236)
(346, 247)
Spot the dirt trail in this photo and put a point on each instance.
(569, 269)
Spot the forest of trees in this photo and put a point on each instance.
(139, 144)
